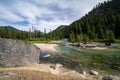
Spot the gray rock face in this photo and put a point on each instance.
(13, 53)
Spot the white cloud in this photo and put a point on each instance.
(9, 16)
(52, 24)
(43, 13)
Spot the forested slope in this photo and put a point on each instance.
(13, 33)
(102, 23)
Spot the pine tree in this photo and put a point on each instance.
(79, 38)
(100, 32)
(72, 37)
(85, 38)
(109, 37)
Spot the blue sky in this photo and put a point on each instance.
(49, 14)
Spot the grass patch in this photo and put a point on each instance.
(117, 41)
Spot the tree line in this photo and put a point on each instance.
(10, 32)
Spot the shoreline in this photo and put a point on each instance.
(50, 48)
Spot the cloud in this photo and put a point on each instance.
(8, 16)
(48, 14)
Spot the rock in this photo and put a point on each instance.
(80, 65)
(118, 68)
(73, 73)
(46, 56)
(92, 72)
(107, 78)
(84, 73)
(111, 77)
(58, 65)
(17, 53)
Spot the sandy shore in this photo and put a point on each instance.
(47, 47)
(100, 48)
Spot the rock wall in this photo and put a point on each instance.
(17, 53)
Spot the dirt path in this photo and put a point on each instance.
(36, 67)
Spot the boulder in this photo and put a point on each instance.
(111, 77)
(57, 65)
(107, 78)
(118, 68)
(17, 53)
(92, 72)
(84, 73)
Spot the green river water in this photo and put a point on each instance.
(106, 60)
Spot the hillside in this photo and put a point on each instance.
(61, 30)
(112, 6)
(8, 31)
(10, 28)
(99, 24)
(13, 33)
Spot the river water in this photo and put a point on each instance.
(81, 58)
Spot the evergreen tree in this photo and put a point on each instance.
(72, 36)
(85, 38)
(79, 38)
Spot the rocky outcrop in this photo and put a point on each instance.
(15, 53)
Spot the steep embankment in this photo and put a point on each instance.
(15, 53)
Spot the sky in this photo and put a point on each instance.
(43, 14)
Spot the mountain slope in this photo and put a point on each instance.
(10, 28)
(106, 8)
(100, 23)
(13, 33)
(8, 32)
(58, 33)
